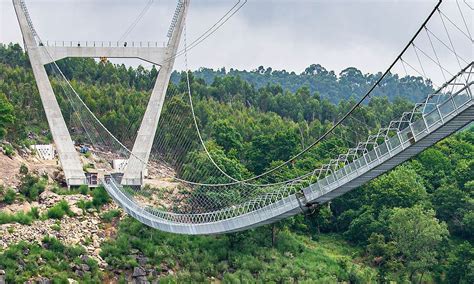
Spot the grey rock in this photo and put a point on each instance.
(80, 273)
(138, 272)
(142, 260)
(44, 281)
(152, 272)
(85, 267)
(141, 280)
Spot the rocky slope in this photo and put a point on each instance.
(85, 228)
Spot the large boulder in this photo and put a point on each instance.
(49, 198)
(138, 272)
(76, 210)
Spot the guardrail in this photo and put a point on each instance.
(268, 205)
(124, 44)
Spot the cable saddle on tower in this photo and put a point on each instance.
(175, 18)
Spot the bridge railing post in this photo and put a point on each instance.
(440, 114)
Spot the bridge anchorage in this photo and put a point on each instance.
(233, 204)
(41, 53)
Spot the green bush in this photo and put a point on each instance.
(56, 259)
(84, 189)
(34, 213)
(23, 169)
(20, 217)
(9, 151)
(59, 210)
(24, 219)
(100, 197)
(9, 196)
(6, 218)
(109, 215)
(84, 205)
(67, 191)
(32, 186)
(56, 227)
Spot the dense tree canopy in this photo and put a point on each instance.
(350, 82)
(414, 220)
(6, 115)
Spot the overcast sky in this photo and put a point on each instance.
(283, 34)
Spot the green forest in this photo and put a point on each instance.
(350, 82)
(412, 224)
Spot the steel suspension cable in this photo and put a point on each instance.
(361, 100)
(463, 19)
(445, 45)
(454, 24)
(319, 139)
(136, 20)
(436, 54)
(194, 115)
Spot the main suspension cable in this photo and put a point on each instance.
(354, 107)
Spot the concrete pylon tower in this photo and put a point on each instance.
(41, 54)
(133, 174)
(68, 156)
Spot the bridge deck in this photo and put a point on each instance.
(444, 120)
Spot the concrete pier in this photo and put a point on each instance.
(40, 55)
(68, 155)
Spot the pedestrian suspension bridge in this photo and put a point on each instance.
(226, 203)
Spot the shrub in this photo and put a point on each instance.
(56, 227)
(66, 191)
(56, 258)
(88, 166)
(23, 169)
(288, 243)
(84, 205)
(23, 218)
(20, 217)
(34, 213)
(100, 197)
(32, 186)
(84, 189)
(109, 215)
(9, 150)
(59, 210)
(9, 196)
(5, 218)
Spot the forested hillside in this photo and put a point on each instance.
(349, 83)
(414, 223)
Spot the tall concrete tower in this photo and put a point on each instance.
(39, 55)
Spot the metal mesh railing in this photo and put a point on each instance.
(386, 143)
